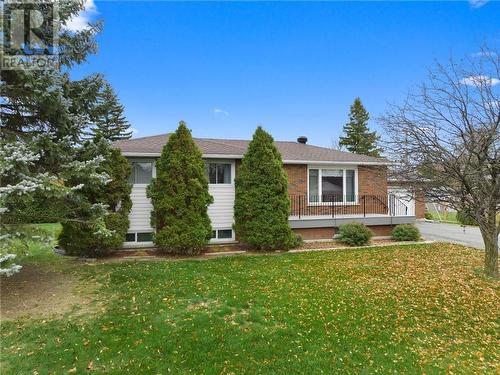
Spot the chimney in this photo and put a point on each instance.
(302, 139)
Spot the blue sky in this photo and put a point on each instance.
(293, 68)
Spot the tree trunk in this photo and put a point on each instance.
(490, 238)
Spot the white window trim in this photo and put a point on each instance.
(153, 172)
(223, 161)
(216, 239)
(320, 187)
(136, 232)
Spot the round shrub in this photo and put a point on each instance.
(428, 215)
(355, 234)
(405, 232)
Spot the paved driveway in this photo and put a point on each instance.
(469, 236)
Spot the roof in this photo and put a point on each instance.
(291, 152)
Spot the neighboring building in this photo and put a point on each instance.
(327, 188)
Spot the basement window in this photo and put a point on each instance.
(225, 234)
(139, 237)
(145, 237)
(222, 234)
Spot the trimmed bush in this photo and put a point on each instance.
(33, 208)
(355, 234)
(80, 238)
(262, 204)
(180, 197)
(428, 215)
(405, 232)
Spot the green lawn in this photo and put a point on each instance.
(415, 309)
(448, 217)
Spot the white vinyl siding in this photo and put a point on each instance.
(221, 211)
(140, 215)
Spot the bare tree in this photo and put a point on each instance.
(446, 140)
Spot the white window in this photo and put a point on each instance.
(222, 234)
(142, 172)
(139, 237)
(218, 173)
(328, 185)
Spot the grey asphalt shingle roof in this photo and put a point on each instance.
(290, 151)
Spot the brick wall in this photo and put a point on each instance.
(419, 205)
(372, 180)
(315, 233)
(297, 178)
(328, 233)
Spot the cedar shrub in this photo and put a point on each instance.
(180, 197)
(262, 204)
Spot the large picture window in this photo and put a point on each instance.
(142, 172)
(328, 185)
(218, 173)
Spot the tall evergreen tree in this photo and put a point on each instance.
(180, 197)
(262, 204)
(109, 120)
(99, 237)
(358, 138)
(44, 114)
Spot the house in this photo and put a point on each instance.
(327, 188)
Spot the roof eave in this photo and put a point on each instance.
(285, 161)
(351, 162)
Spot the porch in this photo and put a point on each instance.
(333, 210)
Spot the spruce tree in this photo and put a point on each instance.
(43, 115)
(99, 237)
(180, 197)
(358, 138)
(109, 120)
(262, 203)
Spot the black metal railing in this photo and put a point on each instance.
(339, 205)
